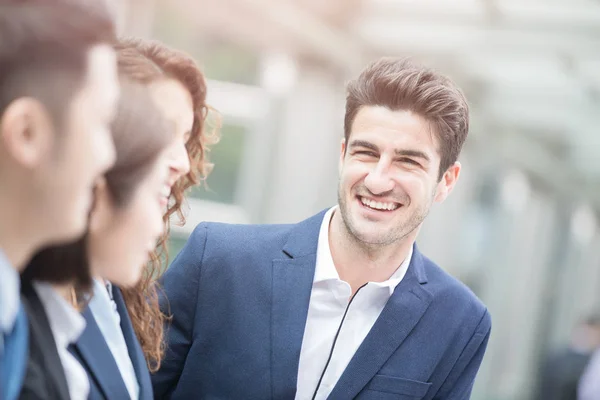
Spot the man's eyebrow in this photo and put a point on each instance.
(362, 143)
(413, 153)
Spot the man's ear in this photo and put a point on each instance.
(342, 155)
(26, 131)
(447, 183)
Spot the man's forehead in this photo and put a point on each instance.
(393, 125)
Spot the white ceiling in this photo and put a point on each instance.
(537, 61)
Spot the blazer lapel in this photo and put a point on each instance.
(402, 312)
(42, 344)
(97, 358)
(292, 284)
(133, 347)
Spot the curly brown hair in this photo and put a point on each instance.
(147, 62)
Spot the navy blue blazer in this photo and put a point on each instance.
(94, 354)
(239, 296)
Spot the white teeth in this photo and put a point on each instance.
(377, 205)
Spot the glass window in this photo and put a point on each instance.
(227, 159)
(219, 58)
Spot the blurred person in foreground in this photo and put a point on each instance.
(58, 91)
(342, 305)
(562, 370)
(122, 340)
(124, 224)
(589, 384)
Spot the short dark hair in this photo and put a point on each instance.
(43, 51)
(140, 133)
(400, 84)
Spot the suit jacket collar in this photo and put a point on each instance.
(95, 355)
(304, 237)
(292, 284)
(293, 272)
(403, 311)
(417, 266)
(133, 347)
(43, 351)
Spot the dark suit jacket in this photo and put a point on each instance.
(94, 354)
(239, 298)
(560, 374)
(44, 377)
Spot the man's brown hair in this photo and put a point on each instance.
(399, 84)
(44, 51)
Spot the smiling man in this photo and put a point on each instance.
(342, 305)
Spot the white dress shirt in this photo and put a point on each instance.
(329, 299)
(9, 297)
(108, 320)
(67, 325)
(589, 385)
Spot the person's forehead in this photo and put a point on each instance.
(174, 100)
(171, 90)
(396, 124)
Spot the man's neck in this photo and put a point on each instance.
(15, 241)
(357, 263)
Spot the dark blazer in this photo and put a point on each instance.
(239, 297)
(560, 374)
(94, 354)
(44, 377)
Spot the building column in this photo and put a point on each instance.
(303, 148)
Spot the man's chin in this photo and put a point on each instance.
(70, 231)
(370, 237)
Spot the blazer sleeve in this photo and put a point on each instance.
(179, 301)
(459, 384)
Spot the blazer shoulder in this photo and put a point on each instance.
(257, 239)
(455, 294)
(221, 237)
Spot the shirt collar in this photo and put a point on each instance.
(105, 312)
(397, 276)
(100, 297)
(102, 305)
(10, 287)
(325, 268)
(109, 289)
(65, 321)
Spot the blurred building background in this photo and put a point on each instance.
(521, 228)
